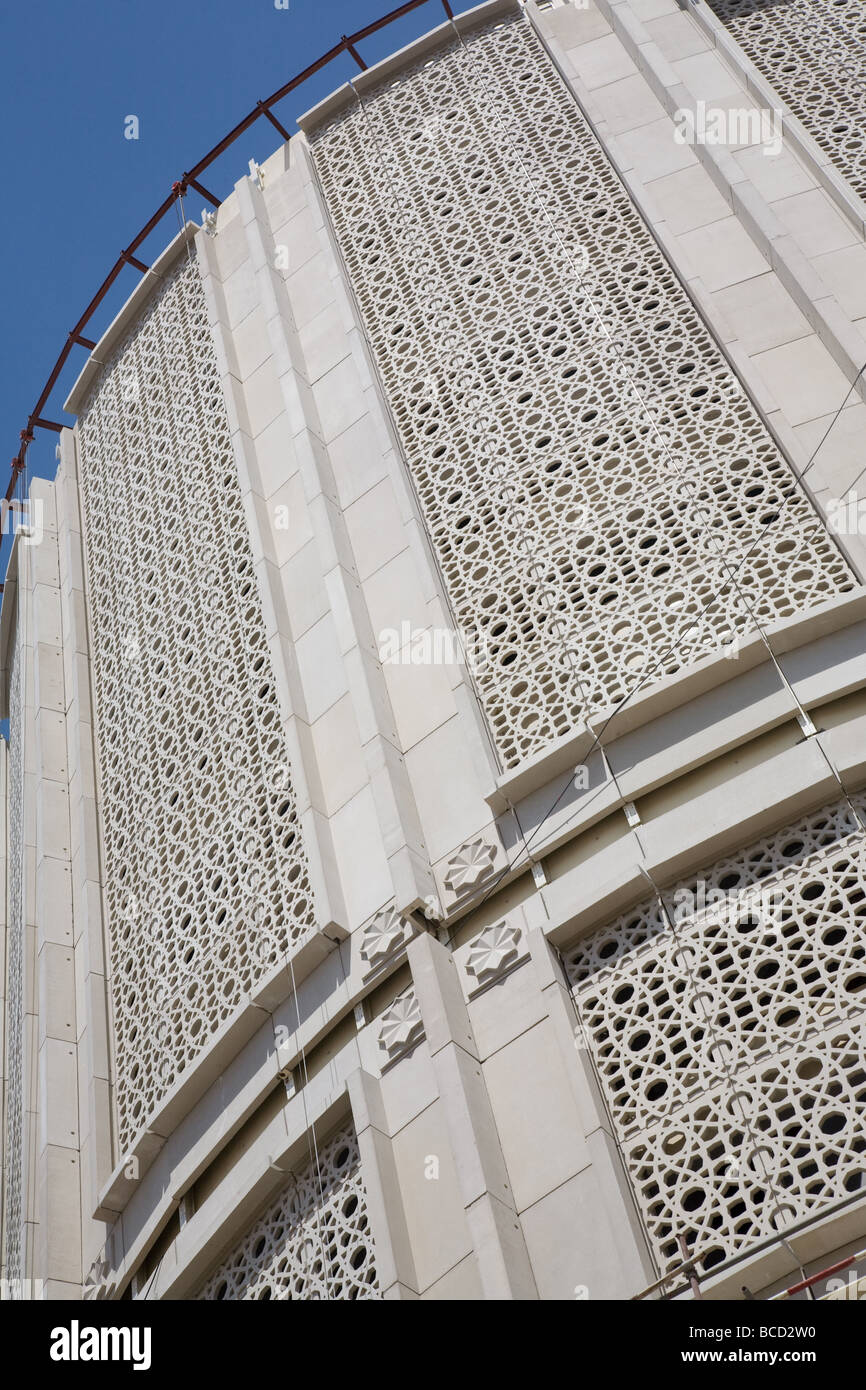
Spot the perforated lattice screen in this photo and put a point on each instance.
(813, 52)
(206, 879)
(313, 1242)
(586, 461)
(728, 1037)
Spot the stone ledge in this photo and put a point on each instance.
(200, 1245)
(744, 809)
(804, 144)
(403, 58)
(133, 306)
(673, 692)
(225, 1045)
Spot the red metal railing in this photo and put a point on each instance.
(190, 179)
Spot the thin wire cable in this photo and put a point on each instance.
(24, 615)
(538, 558)
(732, 573)
(725, 1050)
(480, 67)
(730, 583)
(144, 1295)
(312, 1141)
(180, 208)
(310, 1128)
(726, 1065)
(630, 695)
(715, 540)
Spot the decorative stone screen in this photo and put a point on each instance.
(586, 461)
(313, 1242)
(206, 879)
(813, 52)
(13, 1150)
(729, 1040)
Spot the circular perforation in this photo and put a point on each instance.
(727, 1033)
(811, 51)
(313, 1242)
(586, 461)
(206, 880)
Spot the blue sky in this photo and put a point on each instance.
(78, 191)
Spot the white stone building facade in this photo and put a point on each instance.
(435, 799)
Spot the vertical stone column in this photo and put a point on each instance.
(91, 985)
(321, 637)
(25, 868)
(396, 1268)
(614, 1224)
(18, 972)
(497, 1236)
(58, 1246)
(236, 370)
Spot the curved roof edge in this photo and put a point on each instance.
(119, 324)
(404, 57)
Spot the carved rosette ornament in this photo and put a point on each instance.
(96, 1285)
(496, 949)
(472, 863)
(383, 935)
(402, 1025)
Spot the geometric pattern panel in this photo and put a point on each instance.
(206, 879)
(727, 1033)
(13, 1144)
(313, 1242)
(588, 465)
(812, 53)
(739, 1168)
